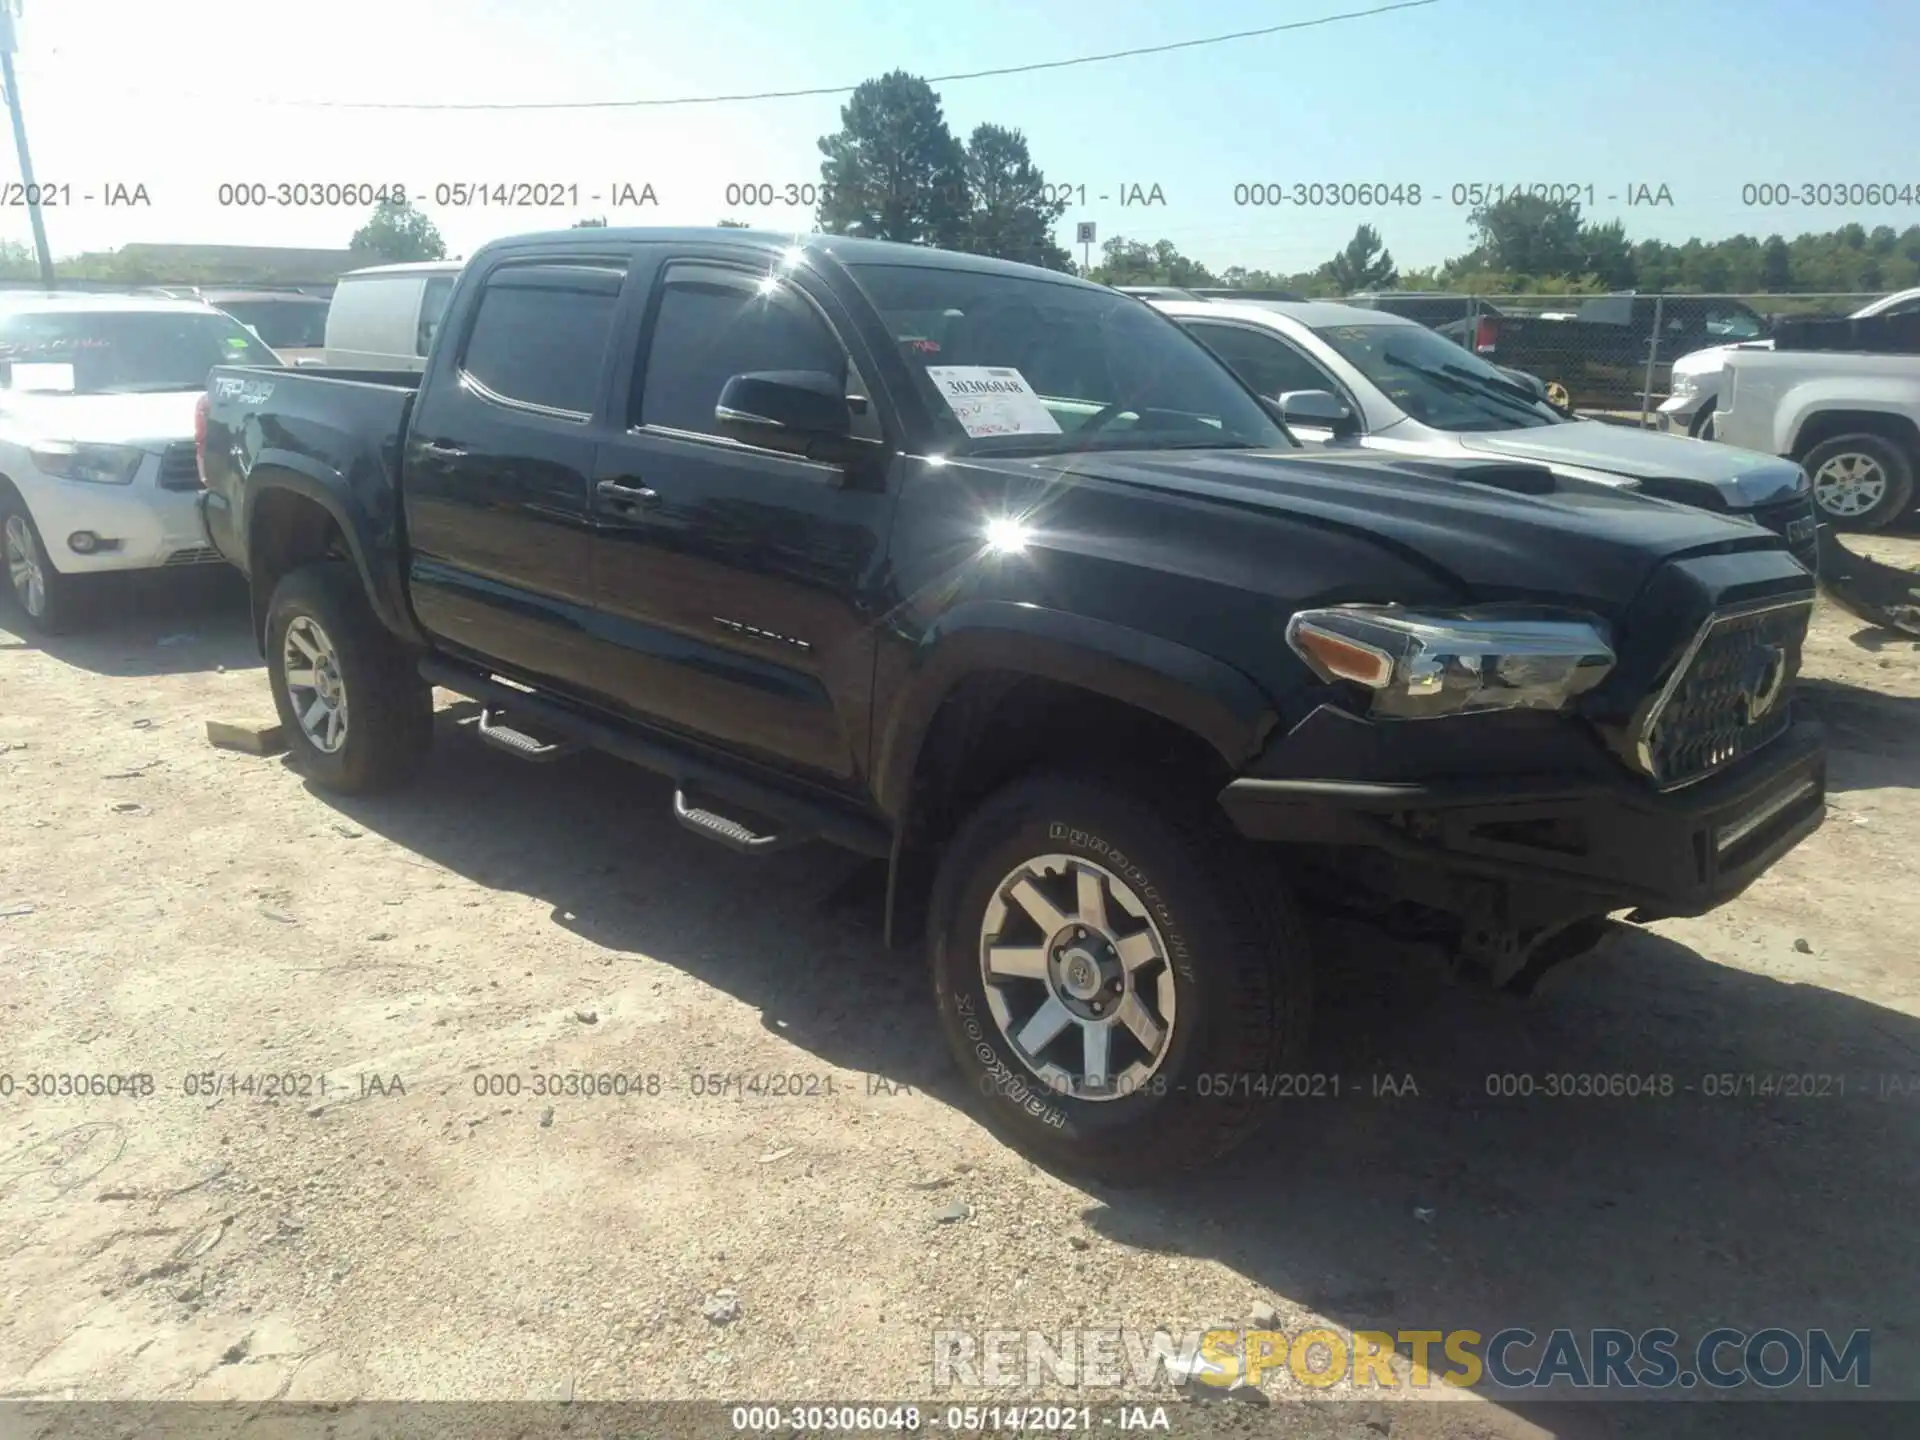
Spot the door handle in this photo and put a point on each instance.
(436, 447)
(626, 491)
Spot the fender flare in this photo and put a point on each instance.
(285, 470)
(1208, 697)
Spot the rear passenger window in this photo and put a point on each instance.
(714, 324)
(540, 336)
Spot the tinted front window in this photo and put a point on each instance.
(283, 324)
(121, 352)
(712, 326)
(544, 342)
(1434, 380)
(1109, 370)
(1269, 365)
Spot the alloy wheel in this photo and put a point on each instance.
(25, 568)
(312, 670)
(1077, 977)
(1849, 484)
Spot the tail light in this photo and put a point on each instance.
(200, 438)
(1486, 335)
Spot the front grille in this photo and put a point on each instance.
(180, 467)
(1796, 522)
(194, 555)
(1729, 695)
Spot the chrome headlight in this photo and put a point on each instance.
(1423, 664)
(99, 464)
(1683, 387)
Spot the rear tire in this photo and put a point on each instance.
(1860, 482)
(49, 600)
(356, 714)
(1198, 974)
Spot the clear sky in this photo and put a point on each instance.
(1701, 96)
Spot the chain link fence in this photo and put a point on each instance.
(1606, 356)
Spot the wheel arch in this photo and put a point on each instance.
(296, 517)
(998, 689)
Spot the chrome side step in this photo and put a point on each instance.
(496, 732)
(728, 832)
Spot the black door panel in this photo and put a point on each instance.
(735, 585)
(499, 471)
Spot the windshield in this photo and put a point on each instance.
(1437, 382)
(283, 324)
(121, 352)
(1037, 366)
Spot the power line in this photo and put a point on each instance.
(847, 89)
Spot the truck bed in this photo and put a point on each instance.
(341, 429)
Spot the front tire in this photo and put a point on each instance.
(1860, 482)
(1703, 422)
(49, 600)
(1112, 981)
(356, 714)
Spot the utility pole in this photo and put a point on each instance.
(9, 11)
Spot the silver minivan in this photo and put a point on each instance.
(385, 317)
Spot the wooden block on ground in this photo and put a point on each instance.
(254, 737)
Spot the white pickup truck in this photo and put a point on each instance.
(1851, 418)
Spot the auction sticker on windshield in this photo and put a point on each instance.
(41, 375)
(992, 400)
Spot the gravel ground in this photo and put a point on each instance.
(390, 1230)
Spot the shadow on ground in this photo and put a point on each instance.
(1430, 1202)
(1873, 739)
(156, 622)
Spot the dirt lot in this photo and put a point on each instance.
(178, 911)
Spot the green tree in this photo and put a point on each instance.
(1011, 218)
(1135, 262)
(1365, 264)
(1607, 255)
(894, 171)
(399, 232)
(17, 261)
(1776, 267)
(1529, 235)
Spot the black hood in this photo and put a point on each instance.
(1499, 530)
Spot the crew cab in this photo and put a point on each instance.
(1851, 418)
(1347, 377)
(1000, 576)
(97, 469)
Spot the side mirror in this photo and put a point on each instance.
(801, 412)
(1319, 410)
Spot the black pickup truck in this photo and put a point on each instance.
(1598, 355)
(1000, 576)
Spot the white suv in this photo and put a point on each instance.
(98, 464)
